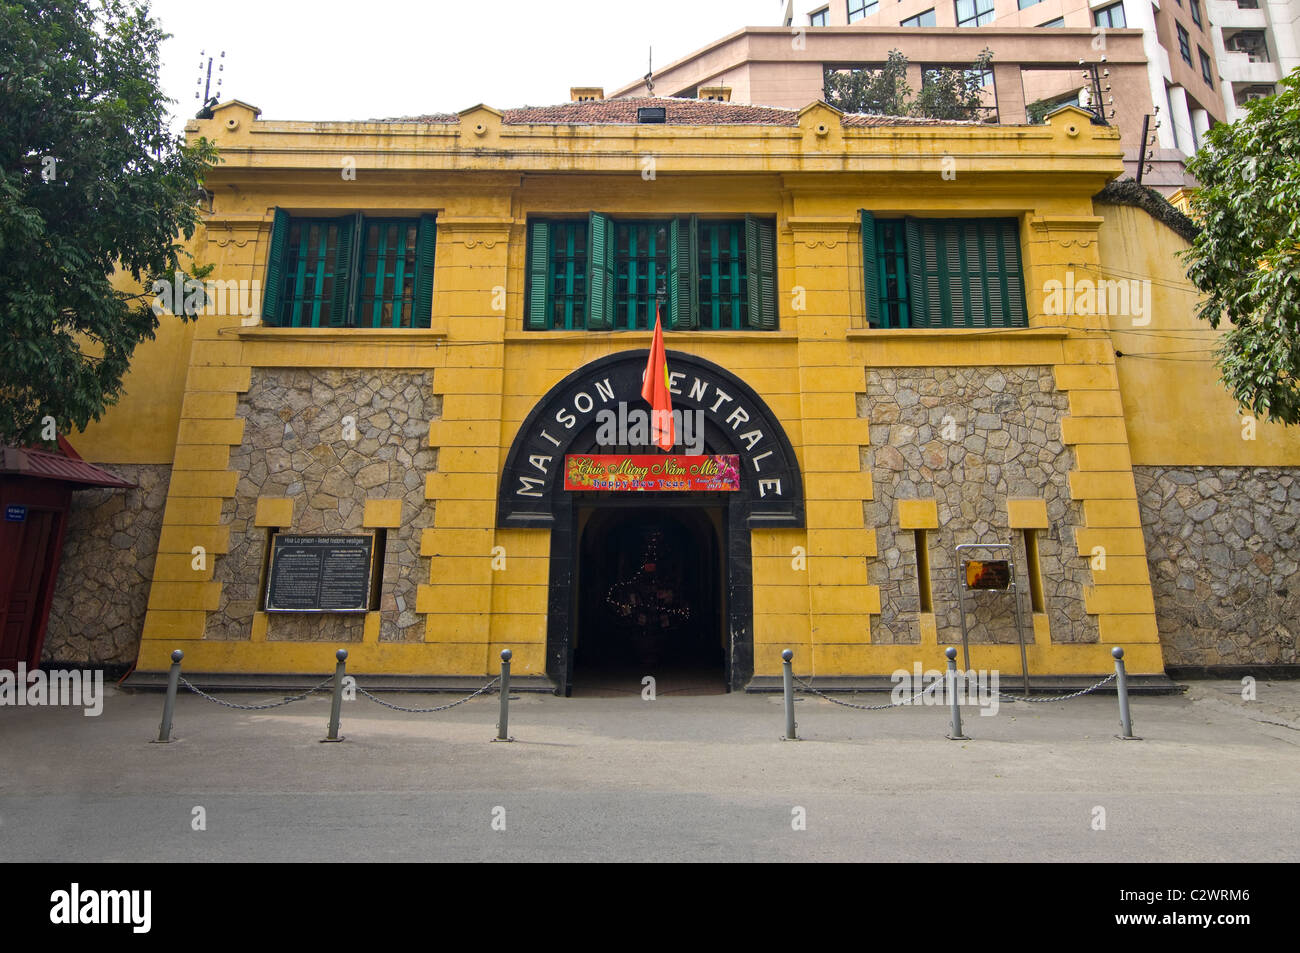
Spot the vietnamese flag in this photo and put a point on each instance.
(655, 391)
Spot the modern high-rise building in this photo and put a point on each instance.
(1256, 43)
(1032, 72)
(1177, 36)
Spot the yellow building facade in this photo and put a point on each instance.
(1003, 408)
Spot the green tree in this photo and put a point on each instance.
(947, 93)
(882, 91)
(91, 182)
(1246, 258)
(954, 93)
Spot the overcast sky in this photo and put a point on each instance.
(364, 59)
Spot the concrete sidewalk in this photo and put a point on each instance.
(680, 778)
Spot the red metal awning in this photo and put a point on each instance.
(44, 465)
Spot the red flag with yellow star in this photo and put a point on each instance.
(655, 391)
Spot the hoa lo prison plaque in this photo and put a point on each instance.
(320, 573)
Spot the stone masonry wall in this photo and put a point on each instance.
(294, 446)
(970, 438)
(108, 554)
(1224, 551)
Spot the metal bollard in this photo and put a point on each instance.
(954, 724)
(336, 703)
(787, 673)
(169, 706)
(503, 723)
(1121, 689)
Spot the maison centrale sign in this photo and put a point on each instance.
(624, 471)
(603, 396)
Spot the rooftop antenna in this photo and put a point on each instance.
(650, 70)
(205, 111)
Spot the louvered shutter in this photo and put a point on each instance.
(870, 270)
(760, 264)
(538, 316)
(426, 238)
(600, 272)
(350, 232)
(273, 290)
(1013, 276)
(683, 287)
(922, 274)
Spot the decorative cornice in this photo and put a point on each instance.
(389, 336)
(970, 334)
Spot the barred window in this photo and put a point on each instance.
(603, 274)
(936, 273)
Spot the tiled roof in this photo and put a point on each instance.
(679, 112)
(43, 465)
(867, 119)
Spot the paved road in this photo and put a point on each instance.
(680, 778)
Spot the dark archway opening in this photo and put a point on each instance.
(650, 597)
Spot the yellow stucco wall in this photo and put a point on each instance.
(483, 180)
(141, 426)
(1177, 411)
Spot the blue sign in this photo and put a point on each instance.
(15, 514)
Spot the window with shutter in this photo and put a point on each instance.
(641, 275)
(312, 272)
(605, 274)
(386, 295)
(723, 276)
(933, 273)
(350, 272)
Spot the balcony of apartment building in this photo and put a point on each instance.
(1237, 14)
(1245, 58)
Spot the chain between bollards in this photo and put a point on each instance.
(1121, 689)
(336, 701)
(954, 723)
(169, 705)
(503, 722)
(787, 673)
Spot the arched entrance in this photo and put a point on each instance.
(650, 596)
(597, 538)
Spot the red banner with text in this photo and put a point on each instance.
(624, 471)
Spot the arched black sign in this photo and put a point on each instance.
(736, 420)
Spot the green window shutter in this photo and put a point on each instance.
(917, 289)
(760, 263)
(956, 276)
(600, 272)
(426, 241)
(1012, 284)
(870, 270)
(273, 293)
(683, 289)
(348, 241)
(539, 277)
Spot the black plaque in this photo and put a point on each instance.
(320, 573)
